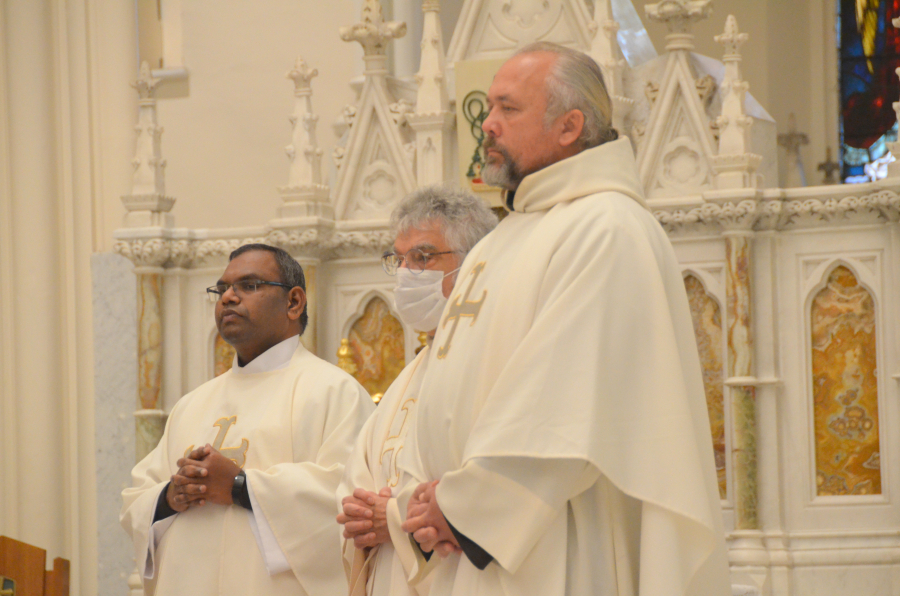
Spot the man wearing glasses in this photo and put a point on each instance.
(434, 229)
(238, 496)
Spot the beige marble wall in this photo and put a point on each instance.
(845, 387)
(707, 317)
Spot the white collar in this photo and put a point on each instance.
(275, 358)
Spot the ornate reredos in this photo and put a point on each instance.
(670, 107)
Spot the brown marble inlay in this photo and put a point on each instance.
(707, 318)
(223, 356)
(377, 345)
(845, 388)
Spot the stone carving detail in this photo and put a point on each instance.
(778, 214)
(676, 150)
(494, 28)
(377, 158)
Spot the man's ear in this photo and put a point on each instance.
(296, 303)
(572, 124)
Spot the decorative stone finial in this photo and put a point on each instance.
(678, 16)
(373, 33)
(146, 84)
(302, 75)
(829, 168)
(732, 39)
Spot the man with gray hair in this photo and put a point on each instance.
(434, 227)
(562, 434)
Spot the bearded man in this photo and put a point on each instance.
(238, 496)
(562, 428)
(434, 227)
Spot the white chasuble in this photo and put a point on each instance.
(291, 431)
(385, 569)
(563, 409)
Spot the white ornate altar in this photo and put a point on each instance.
(794, 291)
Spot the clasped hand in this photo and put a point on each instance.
(427, 524)
(205, 475)
(364, 517)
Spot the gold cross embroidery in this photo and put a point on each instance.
(236, 454)
(463, 307)
(393, 445)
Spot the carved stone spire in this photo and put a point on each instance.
(374, 34)
(432, 120)
(147, 205)
(432, 95)
(735, 166)
(678, 16)
(606, 52)
(304, 195)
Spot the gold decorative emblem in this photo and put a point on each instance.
(394, 444)
(463, 307)
(236, 454)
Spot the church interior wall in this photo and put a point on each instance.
(67, 311)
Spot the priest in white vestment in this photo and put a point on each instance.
(434, 227)
(562, 428)
(238, 496)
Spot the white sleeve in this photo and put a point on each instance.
(157, 529)
(274, 557)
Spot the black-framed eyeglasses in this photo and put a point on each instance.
(241, 288)
(416, 260)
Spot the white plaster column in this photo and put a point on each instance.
(405, 51)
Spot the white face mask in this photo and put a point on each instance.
(419, 298)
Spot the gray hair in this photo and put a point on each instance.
(464, 218)
(576, 83)
(289, 270)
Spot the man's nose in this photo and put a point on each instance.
(229, 296)
(490, 126)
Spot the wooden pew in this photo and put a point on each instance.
(25, 565)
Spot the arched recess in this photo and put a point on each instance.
(377, 345)
(844, 369)
(706, 314)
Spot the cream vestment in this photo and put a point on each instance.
(563, 409)
(383, 570)
(291, 429)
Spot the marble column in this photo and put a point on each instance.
(150, 419)
(741, 380)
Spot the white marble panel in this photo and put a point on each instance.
(115, 386)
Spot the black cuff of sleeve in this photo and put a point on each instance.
(477, 555)
(240, 494)
(424, 554)
(162, 506)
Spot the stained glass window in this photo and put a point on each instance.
(869, 51)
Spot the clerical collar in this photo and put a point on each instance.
(510, 197)
(275, 358)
